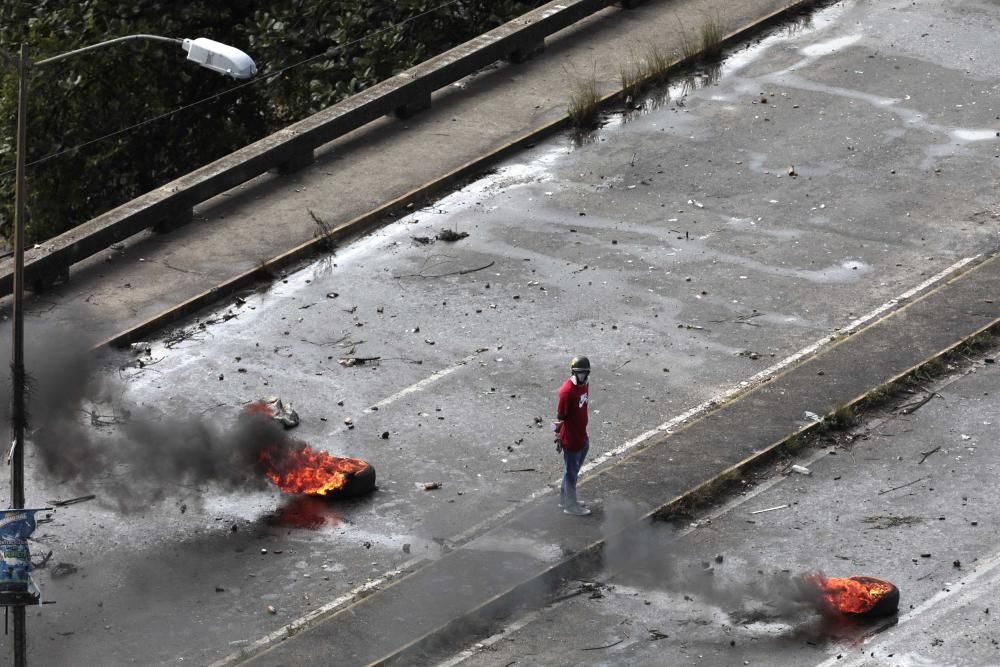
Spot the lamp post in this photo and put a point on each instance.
(208, 53)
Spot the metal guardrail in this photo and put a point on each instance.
(293, 147)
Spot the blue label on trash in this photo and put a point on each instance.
(16, 525)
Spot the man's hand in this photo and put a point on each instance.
(558, 445)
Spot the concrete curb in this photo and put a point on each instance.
(380, 216)
(292, 148)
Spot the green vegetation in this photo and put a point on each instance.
(331, 49)
(841, 418)
(712, 33)
(584, 103)
(648, 70)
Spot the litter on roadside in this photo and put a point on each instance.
(769, 509)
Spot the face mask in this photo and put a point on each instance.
(581, 378)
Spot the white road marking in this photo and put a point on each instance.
(531, 617)
(506, 631)
(289, 630)
(426, 382)
(767, 373)
(294, 626)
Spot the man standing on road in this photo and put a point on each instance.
(571, 432)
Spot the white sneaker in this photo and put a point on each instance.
(576, 510)
(581, 503)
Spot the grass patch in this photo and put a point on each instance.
(881, 394)
(841, 418)
(584, 103)
(689, 45)
(632, 77)
(707, 44)
(712, 34)
(650, 69)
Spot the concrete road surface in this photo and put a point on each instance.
(908, 497)
(693, 248)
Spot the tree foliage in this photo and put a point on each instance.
(165, 116)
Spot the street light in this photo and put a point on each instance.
(208, 53)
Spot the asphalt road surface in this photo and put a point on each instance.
(689, 248)
(907, 495)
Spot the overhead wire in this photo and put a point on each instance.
(265, 77)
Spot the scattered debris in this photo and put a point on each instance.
(64, 570)
(108, 420)
(924, 455)
(450, 235)
(882, 522)
(910, 408)
(522, 470)
(347, 362)
(460, 272)
(271, 609)
(901, 486)
(422, 240)
(812, 416)
(220, 589)
(280, 411)
(431, 486)
(72, 501)
(770, 509)
(802, 470)
(42, 563)
(141, 347)
(791, 171)
(598, 648)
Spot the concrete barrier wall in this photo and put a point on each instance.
(292, 148)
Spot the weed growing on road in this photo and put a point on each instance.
(689, 46)
(584, 103)
(711, 37)
(707, 45)
(631, 77)
(841, 418)
(649, 70)
(881, 394)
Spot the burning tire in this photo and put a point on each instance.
(853, 597)
(885, 605)
(358, 484)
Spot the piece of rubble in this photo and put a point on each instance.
(431, 486)
(281, 412)
(141, 347)
(450, 235)
(802, 470)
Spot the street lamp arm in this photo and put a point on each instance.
(127, 38)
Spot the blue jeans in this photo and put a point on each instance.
(573, 461)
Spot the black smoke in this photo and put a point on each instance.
(143, 458)
(655, 557)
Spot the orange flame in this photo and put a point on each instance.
(851, 595)
(311, 472)
(300, 469)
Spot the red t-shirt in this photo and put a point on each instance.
(572, 410)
